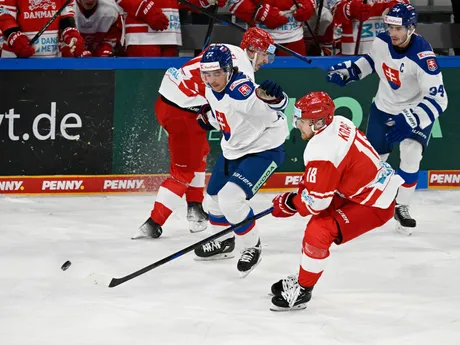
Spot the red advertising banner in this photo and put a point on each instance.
(444, 179)
(40, 185)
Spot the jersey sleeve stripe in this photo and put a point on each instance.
(280, 106)
(435, 104)
(428, 112)
(370, 61)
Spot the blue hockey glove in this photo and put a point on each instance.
(343, 73)
(203, 119)
(401, 125)
(270, 92)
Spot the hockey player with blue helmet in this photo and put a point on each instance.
(254, 129)
(410, 97)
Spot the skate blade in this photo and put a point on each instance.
(195, 227)
(402, 230)
(245, 273)
(301, 306)
(223, 256)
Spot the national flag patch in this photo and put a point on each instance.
(245, 89)
(432, 65)
(392, 76)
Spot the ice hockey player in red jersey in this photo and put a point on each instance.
(100, 24)
(348, 13)
(152, 27)
(20, 20)
(281, 18)
(346, 189)
(182, 98)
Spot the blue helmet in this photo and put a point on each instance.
(217, 56)
(402, 14)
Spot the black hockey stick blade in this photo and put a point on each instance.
(52, 19)
(211, 15)
(207, 38)
(112, 282)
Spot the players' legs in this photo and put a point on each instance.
(376, 130)
(340, 223)
(143, 51)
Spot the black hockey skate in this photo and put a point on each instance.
(216, 250)
(197, 217)
(150, 229)
(406, 222)
(283, 285)
(293, 296)
(250, 258)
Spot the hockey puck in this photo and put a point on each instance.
(66, 265)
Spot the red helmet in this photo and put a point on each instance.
(315, 106)
(258, 39)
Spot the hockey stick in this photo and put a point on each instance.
(52, 19)
(207, 38)
(360, 29)
(313, 35)
(210, 15)
(112, 282)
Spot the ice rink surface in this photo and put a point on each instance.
(381, 289)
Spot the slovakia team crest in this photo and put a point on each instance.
(392, 76)
(432, 65)
(245, 89)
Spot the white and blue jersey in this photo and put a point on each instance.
(408, 80)
(249, 125)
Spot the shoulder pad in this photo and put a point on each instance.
(422, 54)
(241, 88)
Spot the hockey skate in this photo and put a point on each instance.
(197, 217)
(406, 222)
(150, 229)
(250, 258)
(293, 296)
(283, 285)
(216, 250)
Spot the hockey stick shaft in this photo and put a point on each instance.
(210, 15)
(360, 29)
(207, 38)
(313, 35)
(117, 281)
(52, 19)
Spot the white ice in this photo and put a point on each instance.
(381, 289)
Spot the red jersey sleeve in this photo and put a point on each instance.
(317, 188)
(8, 15)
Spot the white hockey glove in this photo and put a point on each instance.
(343, 73)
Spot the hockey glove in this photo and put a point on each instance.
(19, 43)
(271, 16)
(203, 118)
(343, 73)
(104, 50)
(305, 11)
(270, 92)
(356, 9)
(401, 125)
(283, 205)
(153, 16)
(73, 44)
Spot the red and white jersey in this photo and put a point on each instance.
(340, 160)
(31, 16)
(104, 25)
(370, 29)
(2, 39)
(139, 33)
(185, 87)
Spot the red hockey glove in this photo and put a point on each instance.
(19, 43)
(270, 16)
(357, 10)
(283, 205)
(74, 45)
(152, 16)
(104, 50)
(305, 12)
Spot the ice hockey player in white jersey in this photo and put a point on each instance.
(410, 97)
(254, 129)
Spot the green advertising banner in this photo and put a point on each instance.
(140, 144)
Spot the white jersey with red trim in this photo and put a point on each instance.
(31, 16)
(408, 80)
(139, 33)
(102, 26)
(185, 87)
(340, 160)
